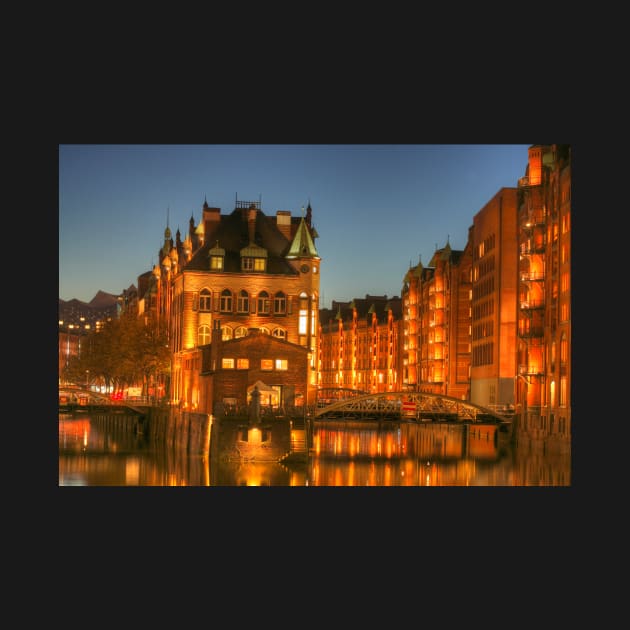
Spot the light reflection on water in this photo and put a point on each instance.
(344, 454)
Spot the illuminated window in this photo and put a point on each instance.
(205, 300)
(241, 331)
(280, 333)
(226, 301)
(203, 335)
(264, 330)
(242, 364)
(266, 364)
(227, 364)
(280, 303)
(303, 314)
(264, 304)
(249, 263)
(216, 263)
(242, 303)
(226, 333)
(564, 349)
(563, 391)
(282, 364)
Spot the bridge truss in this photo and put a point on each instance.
(408, 405)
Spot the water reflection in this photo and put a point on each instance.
(368, 453)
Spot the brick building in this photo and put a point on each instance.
(436, 330)
(360, 344)
(230, 368)
(543, 392)
(251, 272)
(493, 238)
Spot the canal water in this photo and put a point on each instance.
(368, 453)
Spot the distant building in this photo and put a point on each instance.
(360, 344)
(77, 319)
(437, 320)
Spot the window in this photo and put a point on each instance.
(226, 301)
(303, 315)
(205, 301)
(279, 303)
(282, 364)
(242, 364)
(264, 330)
(203, 335)
(247, 264)
(259, 264)
(241, 331)
(280, 333)
(227, 364)
(216, 263)
(264, 304)
(266, 364)
(242, 303)
(226, 333)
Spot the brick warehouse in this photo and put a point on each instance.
(250, 272)
(231, 367)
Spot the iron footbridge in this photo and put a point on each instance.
(74, 398)
(411, 406)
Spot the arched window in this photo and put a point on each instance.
(226, 301)
(241, 331)
(264, 304)
(280, 303)
(203, 335)
(226, 333)
(264, 330)
(280, 333)
(242, 302)
(205, 300)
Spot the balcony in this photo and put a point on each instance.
(532, 276)
(533, 247)
(528, 305)
(527, 370)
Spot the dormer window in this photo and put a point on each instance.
(253, 258)
(217, 258)
(253, 264)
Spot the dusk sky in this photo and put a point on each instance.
(376, 208)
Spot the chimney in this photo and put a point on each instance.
(283, 222)
(211, 220)
(251, 222)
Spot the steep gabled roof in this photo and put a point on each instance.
(302, 245)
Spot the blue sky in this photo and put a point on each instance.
(376, 207)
